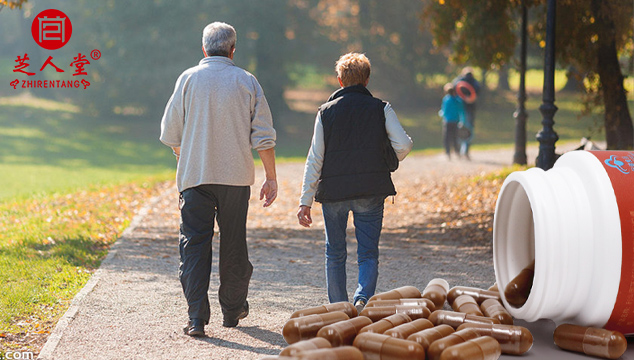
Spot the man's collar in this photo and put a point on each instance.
(216, 59)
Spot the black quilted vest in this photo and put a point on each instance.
(354, 133)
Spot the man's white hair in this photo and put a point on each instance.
(218, 39)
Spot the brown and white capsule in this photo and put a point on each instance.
(456, 319)
(377, 313)
(458, 337)
(404, 330)
(514, 340)
(379, 346)
(517, 290)
(436, 291)
(343, 332)
(590, 341)
(415, 301)
(426, 337)
(344, 306)
(494, 309)
(305, 345)
(385, 324)
(479, 295)
(338, 353)
(466, 304)
(482, 348)
(398, 293)
(306, 327)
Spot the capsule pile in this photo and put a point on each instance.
(406, 324)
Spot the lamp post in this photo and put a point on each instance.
(547, 136)
(520, 114)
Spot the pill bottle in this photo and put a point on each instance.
(576, 221)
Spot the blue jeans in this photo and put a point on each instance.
(368, 221)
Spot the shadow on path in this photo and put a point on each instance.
(255, 332)
(273, 338)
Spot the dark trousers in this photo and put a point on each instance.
(469, 112)
(450, 137)
(199, 206)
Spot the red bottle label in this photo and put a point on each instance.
(620, 168)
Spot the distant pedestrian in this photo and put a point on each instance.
(347, 171)
(470, 96)
(452, 113)
(216, 115)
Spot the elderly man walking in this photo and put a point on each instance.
(347, 171)
(215, 116)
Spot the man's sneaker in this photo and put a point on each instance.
(195, 327)
(233, 322)
(360, 304)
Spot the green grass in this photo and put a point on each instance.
(50, 147)
(534, 79)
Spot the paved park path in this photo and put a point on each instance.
(133, 307)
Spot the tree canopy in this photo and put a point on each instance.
(480, 33)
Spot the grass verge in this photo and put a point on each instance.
(51, 147)
(49, 247)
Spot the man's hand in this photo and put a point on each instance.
(268, 192)
(303, 214)
(269, 188)
(177, 152)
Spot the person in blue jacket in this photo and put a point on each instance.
(466, 75)
(452, 113)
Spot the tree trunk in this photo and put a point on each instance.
(503, 82)
(575, 80)
(484, 87)
(619, 132)
(270, 70)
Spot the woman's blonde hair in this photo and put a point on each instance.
(353, 69)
